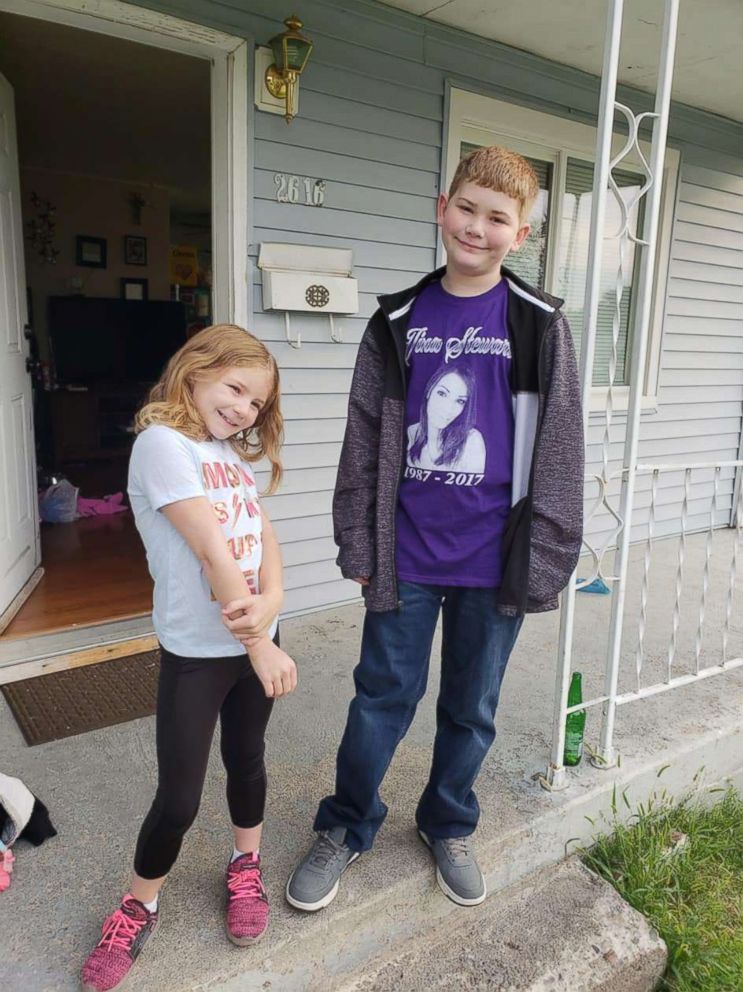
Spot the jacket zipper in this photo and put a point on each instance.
(399, 468)
(540, 418)
(540, 386)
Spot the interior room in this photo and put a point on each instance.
(114, 158)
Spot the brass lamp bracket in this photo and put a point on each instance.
(275, 83)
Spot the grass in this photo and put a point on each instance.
(682, 868)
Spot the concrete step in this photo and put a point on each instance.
(564, 929)
(98, 787)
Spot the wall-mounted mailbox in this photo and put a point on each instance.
(308, 279)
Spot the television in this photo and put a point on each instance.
(94, 339)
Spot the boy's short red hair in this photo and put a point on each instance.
(501, 170)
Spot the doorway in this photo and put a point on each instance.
(119, 181)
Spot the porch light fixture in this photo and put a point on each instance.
(291, 52)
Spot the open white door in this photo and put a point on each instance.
(19, 544)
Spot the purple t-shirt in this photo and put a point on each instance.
(455, 495)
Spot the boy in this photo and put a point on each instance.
(460, 488)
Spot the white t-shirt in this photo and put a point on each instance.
(165, 467)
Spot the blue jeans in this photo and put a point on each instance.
(391, 679)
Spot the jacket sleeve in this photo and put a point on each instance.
(355, 497)
(557, 521)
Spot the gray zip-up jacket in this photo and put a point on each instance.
(542, 539)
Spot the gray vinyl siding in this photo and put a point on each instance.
(378, 146)
(371, 124)
(700, 390)
(702, 361)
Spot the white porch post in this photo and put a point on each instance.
(606, 754)
(556, 777)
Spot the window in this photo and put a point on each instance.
(530, 262)
(555, 255)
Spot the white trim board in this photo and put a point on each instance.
(124, 20)
(17, 650)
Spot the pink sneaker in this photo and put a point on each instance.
(247, 902)
(124, 934)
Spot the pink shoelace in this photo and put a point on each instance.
(120, 930)
(245, 883)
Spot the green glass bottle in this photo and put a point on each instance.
(575, 723)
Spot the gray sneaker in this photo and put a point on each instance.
(314, 882)
(457, 871)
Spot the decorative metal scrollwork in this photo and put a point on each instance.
(317, 295)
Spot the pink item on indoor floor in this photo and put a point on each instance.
(101, 507)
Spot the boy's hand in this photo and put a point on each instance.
(251, 616)
(363, 580)
(275, 669)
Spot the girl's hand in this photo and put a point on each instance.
(252, 616)
(275, 669)
(362, 580)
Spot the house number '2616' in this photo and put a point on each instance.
(299, 189)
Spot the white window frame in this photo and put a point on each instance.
(483, 120)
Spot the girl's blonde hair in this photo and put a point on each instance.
(204, 356)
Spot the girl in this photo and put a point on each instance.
(445, 436)
(213, 412)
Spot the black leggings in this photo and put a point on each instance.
(192, 692)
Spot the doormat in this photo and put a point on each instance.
(63, 704)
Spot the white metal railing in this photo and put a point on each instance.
(618, 537)
(672, 678)
(727, 664)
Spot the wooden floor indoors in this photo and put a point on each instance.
(94, 571)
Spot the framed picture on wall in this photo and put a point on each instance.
(133, 289)
(135, 249)
(90, 251)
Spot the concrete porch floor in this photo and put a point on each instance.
(98, 787)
